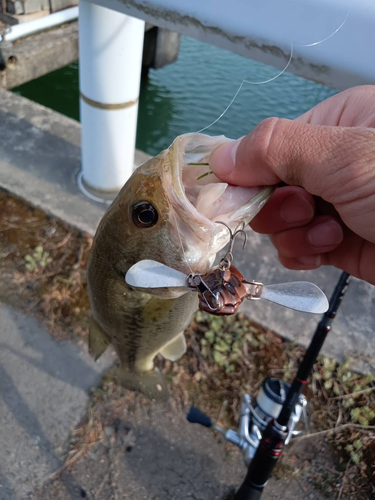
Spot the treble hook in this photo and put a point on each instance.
(226, 261)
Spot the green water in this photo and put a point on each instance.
(191, 93)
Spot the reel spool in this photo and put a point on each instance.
(254, 418)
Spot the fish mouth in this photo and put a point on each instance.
(201, 200)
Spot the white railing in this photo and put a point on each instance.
(332, 42)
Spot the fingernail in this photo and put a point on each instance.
(296, 209)
(223, 159)
(325, 234)
(310, 260)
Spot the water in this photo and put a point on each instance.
(191, 93)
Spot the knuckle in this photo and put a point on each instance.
(263, 139)
(353, 172)
(281, 243)
(287, 262)
(275, 144)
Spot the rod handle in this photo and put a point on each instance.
(248, 492)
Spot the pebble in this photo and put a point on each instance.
(109, 431)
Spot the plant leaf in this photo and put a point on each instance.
(204, 175)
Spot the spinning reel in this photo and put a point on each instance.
(254, 418)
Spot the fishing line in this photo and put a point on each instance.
(328, 37)
(292, 45)
(251, 83)
(182, 246)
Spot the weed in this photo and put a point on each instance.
(38, 260)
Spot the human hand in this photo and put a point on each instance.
(326, 214)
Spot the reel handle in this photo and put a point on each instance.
(196, 416)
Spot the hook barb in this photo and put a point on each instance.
(238, 230)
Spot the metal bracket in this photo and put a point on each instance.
(254, 290)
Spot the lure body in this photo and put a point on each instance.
(221, 291)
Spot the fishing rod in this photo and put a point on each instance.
(268, 425)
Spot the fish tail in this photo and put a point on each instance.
(150, 383)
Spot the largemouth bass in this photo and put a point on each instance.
(165, 212)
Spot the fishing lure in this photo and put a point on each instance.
(222, 290)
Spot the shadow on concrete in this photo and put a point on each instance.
(6, 492)
(27, 419)
(69, 368)
(60, 361)
(167, 469)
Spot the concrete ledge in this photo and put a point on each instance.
(37, 55)
(40, 158)
(39, 162)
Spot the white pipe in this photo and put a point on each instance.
(44, 23)
(110, 49)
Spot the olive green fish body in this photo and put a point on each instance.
(137, 324)
(167, 211)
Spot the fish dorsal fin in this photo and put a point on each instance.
(98, 340)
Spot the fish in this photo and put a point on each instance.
(168, 212)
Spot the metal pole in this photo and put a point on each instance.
(110, 50)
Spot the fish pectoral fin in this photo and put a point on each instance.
(175, 349)
(98, 340)
(150, 383)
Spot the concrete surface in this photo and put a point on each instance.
(39, 161)
(43, 395)
(40, 158)
(29, 58)
(153, 453)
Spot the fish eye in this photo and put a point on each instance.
(144, 214)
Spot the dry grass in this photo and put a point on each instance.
(51, 285)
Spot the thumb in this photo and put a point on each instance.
(322, 159)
